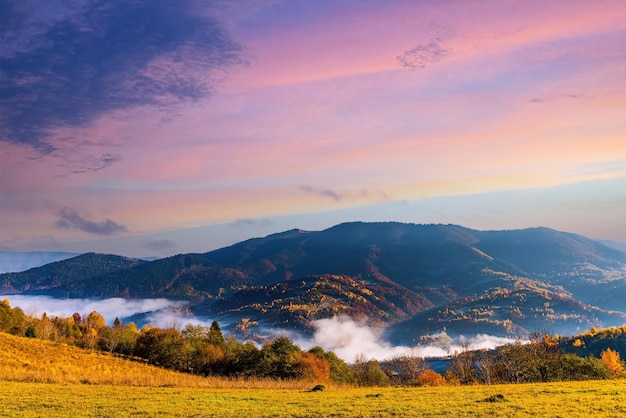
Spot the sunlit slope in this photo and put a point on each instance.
(33, 360)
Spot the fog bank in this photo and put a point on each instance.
(108, 308)
(347, 338)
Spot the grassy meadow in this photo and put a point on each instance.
(575, 399)
(44, 379)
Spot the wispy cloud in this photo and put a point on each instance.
(69, 218)
(158, 244)
(323, 192)
(367, 194)
(251, 222)
(94, 57)
(91, 163)
(424, 54)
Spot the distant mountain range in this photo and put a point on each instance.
(417, 280)
(18, 261)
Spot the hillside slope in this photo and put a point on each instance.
(32, 360)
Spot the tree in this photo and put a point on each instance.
(369, 373)
(404, 370)
(313, 368)
(207, 359)
(128, 339)
(162, 347)
(340, 372)
(215, 336)
(461, 368)
(546, 352)
(109, 338)
(240, 359)
(195, 337)
(515, 363)
(612, 361)
(94, 323)
(12, 320)
(280, 359)
(46, 329)
(573, 367)
(73, 330)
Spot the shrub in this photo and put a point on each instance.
(31, 332)
(430, 378)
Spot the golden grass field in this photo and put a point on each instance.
(577, 399)
(43, 379)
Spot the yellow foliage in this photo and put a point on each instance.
(612, 361)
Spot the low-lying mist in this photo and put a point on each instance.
(108, 308)
(350, 339)
(347, 338)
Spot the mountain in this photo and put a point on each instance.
(524, 307)
(55, 277)
(293, 303)
(11, 262)
(189, 277)
(418, 278)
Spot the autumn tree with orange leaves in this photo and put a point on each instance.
(613, 362)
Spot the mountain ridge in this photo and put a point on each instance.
(17, 261)
(396, 271)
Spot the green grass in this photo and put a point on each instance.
(572, 399)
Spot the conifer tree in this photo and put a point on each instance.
(215, 336)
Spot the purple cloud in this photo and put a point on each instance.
(423, 55)
(158, 244)
(67, 64)
(69, 218)
(372, 195)
(251, 222)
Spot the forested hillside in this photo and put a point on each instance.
(422, 278)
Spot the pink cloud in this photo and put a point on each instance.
(525, 95)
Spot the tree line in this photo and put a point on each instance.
(193, 349)
(539, 360)
(206, 351)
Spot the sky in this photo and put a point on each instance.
(151, 127)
